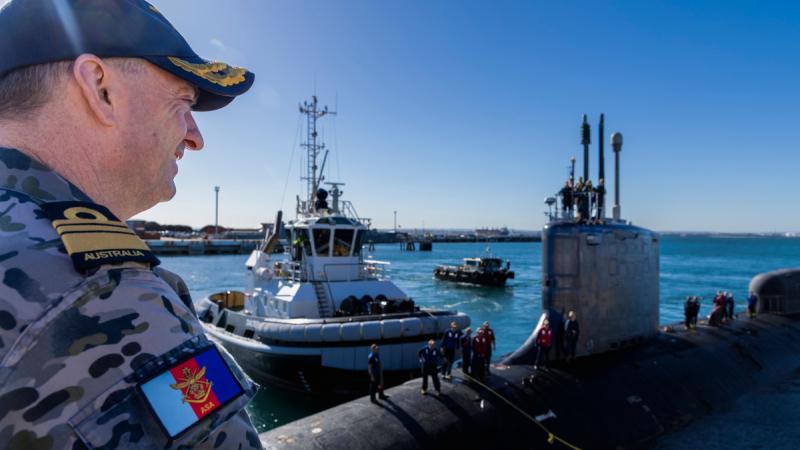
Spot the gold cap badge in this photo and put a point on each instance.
(215, 72)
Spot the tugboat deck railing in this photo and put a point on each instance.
(297, 271)
(368, 271)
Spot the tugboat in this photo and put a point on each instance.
(308, 317)
(488, 271)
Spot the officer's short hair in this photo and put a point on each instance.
(24, 91)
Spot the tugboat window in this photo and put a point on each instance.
(322, 241)
(358, 243)
(342, 239)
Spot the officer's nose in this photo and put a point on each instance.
(193, 139)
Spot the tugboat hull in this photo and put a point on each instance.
(326, 357)
(307, 375)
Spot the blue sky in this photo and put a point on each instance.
(464, 114)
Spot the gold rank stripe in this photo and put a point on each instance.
(90, 242)
(70, 228)
(62, 222)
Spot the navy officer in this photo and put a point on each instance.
(99, 347)
(375, 371)
(429, 359)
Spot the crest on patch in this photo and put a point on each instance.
(183, 394)
(195, 389)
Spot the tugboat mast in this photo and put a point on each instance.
(313, 149)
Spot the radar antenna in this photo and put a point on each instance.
(313, 149)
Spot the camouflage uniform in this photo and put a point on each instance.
(74, 346)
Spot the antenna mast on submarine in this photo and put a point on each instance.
(586, 139)
(572, 170)
(601, 172)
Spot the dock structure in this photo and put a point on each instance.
(202, 246)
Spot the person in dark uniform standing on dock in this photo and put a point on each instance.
(544, 338)
(687, 312)
(480, 350)
(490, 336)
(466, 351)
(752, 301)
(450, 343)
(429, 358)
(729, 305)
(691, 309)
(375, 370)
(572, 332)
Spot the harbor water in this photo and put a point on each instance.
(690, 265)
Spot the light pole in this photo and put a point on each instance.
(395, 222)
(216, 211)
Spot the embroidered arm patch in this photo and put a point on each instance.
(184, 394)
(93, 237)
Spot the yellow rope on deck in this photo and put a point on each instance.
(551, 437)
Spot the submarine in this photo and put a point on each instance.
(632, 381)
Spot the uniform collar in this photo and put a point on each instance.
(21, 173)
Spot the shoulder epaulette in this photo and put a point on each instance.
(93, 237)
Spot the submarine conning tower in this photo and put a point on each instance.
(604, 269)
(777, 292)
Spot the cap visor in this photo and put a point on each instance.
(218, 83)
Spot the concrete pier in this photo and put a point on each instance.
(202, 246)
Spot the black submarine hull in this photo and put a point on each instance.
(623, 399)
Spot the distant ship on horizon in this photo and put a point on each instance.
(488, 233)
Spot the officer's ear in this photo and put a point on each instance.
(92, 76)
